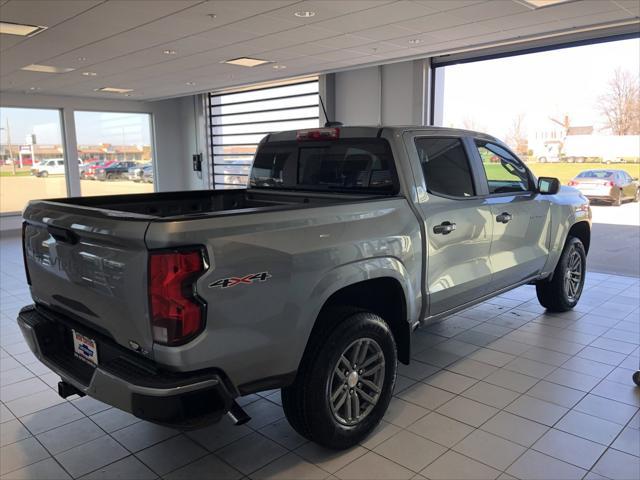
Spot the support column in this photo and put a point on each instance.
(70, 152)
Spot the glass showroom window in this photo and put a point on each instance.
(238, 121)
(32, 163)
(116, 154)
(562, 111)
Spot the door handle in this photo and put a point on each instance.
(445, 228)
(504, 217)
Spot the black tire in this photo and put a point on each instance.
(306, 402)
(44, 174)
(636, 377)
(552, 294)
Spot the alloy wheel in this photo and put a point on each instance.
(573, 276)
(356, 382)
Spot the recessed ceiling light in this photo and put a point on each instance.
(89, 74)
(114, 90)
(34, 89)
(246, 62)
(82, 59)
(190, 84)
(34, 67)
(211, 15)
(305, 14)
(541, 3)
(279, 67)
(415, 41)
(169, 52)
(10, 28)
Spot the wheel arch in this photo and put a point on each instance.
(379, 285)
(383, 296)
(582, 231)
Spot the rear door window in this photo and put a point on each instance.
(445, 166)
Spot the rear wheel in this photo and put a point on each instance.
(44, 173)
(345, 380)
(563, 291)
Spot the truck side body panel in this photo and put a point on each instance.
(259, 329)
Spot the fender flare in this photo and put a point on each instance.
(349, 274)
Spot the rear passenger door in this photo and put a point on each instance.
(520, 216)
(458, 222)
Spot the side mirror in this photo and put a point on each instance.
(548, 185)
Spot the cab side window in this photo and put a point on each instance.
(505, 173)
(445, 166)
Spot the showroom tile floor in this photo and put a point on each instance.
(499, 391)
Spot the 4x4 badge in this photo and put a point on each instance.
(246, 280)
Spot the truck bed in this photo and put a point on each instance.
(194, 203)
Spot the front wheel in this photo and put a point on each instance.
(562, 292)
(345, 380)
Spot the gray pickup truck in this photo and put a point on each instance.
(312, 279)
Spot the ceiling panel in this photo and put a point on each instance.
(386, 32)
(123, 40)
(492, 9)
(433, 22)
(44, 12)
(105, 20)
(444, 5)
(630, 6)
(373, 17)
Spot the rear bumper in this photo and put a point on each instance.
(122, 380)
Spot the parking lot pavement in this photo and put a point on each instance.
(615, 239)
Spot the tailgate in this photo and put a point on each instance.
(91, 266)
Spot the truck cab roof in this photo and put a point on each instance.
(362, 131)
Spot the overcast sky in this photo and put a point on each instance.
(553, 83)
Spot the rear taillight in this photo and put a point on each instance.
(177, 314)
(572, 183)
(608, 184)
(318, 134)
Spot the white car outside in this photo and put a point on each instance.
(54, 166)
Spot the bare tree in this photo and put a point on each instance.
(470, 123)
(621, 104)
(517, 136)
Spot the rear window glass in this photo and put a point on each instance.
(596, 174)
(351, 165)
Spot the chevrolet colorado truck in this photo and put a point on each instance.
(312, 279)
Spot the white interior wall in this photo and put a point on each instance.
(392, 94)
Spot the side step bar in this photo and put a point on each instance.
(237, 415)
